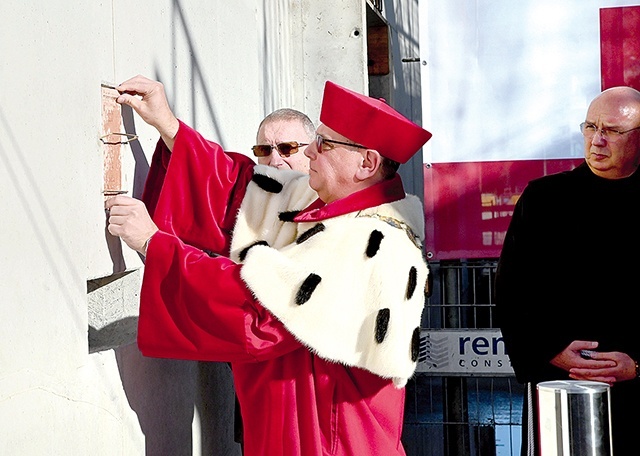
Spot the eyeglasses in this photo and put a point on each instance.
(284, 149)
(588, 130)
(327, 144)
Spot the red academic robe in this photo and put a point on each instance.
(195, 306)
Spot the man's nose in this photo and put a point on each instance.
(311, 150)
(598, 137)
(275, 157)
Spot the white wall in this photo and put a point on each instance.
(406, 90)
(224, 65)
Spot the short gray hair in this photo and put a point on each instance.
(288, 114)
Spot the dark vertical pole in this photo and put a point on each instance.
(456, 414)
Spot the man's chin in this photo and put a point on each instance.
(312, 182)
(599, 162)
(602, 168)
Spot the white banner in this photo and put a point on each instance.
(466, 352)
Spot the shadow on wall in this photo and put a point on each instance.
(141, 164)
(161, 392)
(181, 405)
(170, 396)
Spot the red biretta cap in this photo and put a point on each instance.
(371, 122)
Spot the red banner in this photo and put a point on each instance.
(468, 205)
(620, 46)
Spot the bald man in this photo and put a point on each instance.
(566, 285)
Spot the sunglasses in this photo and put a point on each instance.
(323, 143)
(284, 149)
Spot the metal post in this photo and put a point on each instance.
(574, 418)
(455, 400)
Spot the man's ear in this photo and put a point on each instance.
(370, 164)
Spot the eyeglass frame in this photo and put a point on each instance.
(320, 140)
(604, 132)
(295, 147)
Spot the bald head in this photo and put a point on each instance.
(622, 99)
(612, 139)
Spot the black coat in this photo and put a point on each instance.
(570, 270)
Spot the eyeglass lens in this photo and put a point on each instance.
(588, 130)
(323, 143)
(284, 149)
(320, 143)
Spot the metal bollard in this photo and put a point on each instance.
(574, 418)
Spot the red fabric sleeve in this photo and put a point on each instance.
(195, 191)
(193, 306)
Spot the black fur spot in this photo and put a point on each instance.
(382, 324)
(243, 252)
(310, 232)
(267, 184)
(307, 288)
(287, 216)
(375, 238)
(412, 282)
(415, 345)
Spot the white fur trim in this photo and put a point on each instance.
(339, 320)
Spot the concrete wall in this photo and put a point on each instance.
(406, 91)
(72, 381)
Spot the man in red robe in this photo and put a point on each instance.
(311, 285)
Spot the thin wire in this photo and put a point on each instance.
(130, 137)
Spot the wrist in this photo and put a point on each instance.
(173, 125)
(145, 246)
(169, 132)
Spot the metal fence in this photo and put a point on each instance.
(462, 415)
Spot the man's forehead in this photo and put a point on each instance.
(281, 128)
(329, 133)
